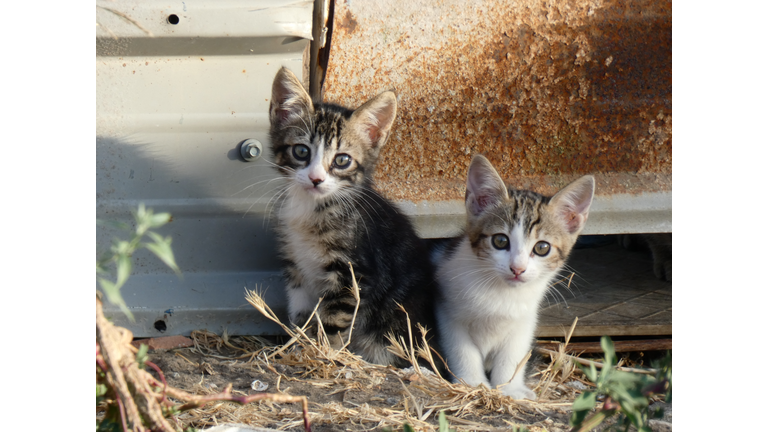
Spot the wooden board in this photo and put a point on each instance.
(613, 292)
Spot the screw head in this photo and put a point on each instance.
(250, 149)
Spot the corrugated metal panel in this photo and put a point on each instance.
(173, 103)
(546, 90)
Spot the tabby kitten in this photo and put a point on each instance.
(493, 277)
(331, 215)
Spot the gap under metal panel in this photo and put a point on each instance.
(614, 292)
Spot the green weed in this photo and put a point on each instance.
(627, 394)
(121, 252)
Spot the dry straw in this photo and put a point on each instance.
(418, 395)
(422, 396)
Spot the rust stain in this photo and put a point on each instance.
(547, 91)
(347, 22)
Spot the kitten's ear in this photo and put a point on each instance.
(289, 99)
(373, 120)
(484, 186)
(571, 204)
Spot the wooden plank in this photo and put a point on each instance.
(545, 331)
(613, 292)
(620, 346)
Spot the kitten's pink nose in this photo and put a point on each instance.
(316, 181)
(517, 271)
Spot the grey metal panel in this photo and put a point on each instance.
(204, 18)
(171, 111)
(609, 214)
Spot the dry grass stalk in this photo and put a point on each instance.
(599, 365)
(355, 289)
(318, 364)
(143, 401)
(426, 395)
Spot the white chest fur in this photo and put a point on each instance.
(484, 323)
(302, 247)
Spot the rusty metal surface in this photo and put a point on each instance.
(546, 90)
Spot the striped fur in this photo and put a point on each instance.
(330, 215)
(490, 295)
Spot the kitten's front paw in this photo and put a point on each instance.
(520, 392)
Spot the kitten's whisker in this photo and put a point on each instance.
(554, 292)
(268, 181)
(365, 197)
(276, 192)
(270, 207)
(355, 193)
(481, 286)
(480, 283)
(347, 204)
(279, 167)
(471, 272)
(303, 131)
(259, 199)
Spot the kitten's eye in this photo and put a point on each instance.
(301, 152)
(500, 241)
(342, 160)
(541, 248)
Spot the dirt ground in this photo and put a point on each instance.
(359, 398)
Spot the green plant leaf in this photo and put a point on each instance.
(101, 391)
(635, 417)
(113, 295)
(590, 372)
(577, 418)
(124, 266)
(442, 422)
(141, 356)
(585, 401)
(581, 407)
(610, 352)
(158, 220)
(162, 249)
(407, 428)
(120, 247)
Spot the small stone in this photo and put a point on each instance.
(259, 386)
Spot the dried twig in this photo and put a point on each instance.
(355, 289)
(140, 407)
(584, 362)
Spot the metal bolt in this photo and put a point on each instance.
(250, 149)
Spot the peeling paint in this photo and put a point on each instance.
(546, 90)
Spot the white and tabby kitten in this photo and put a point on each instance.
(331, 215)
(493, 277)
